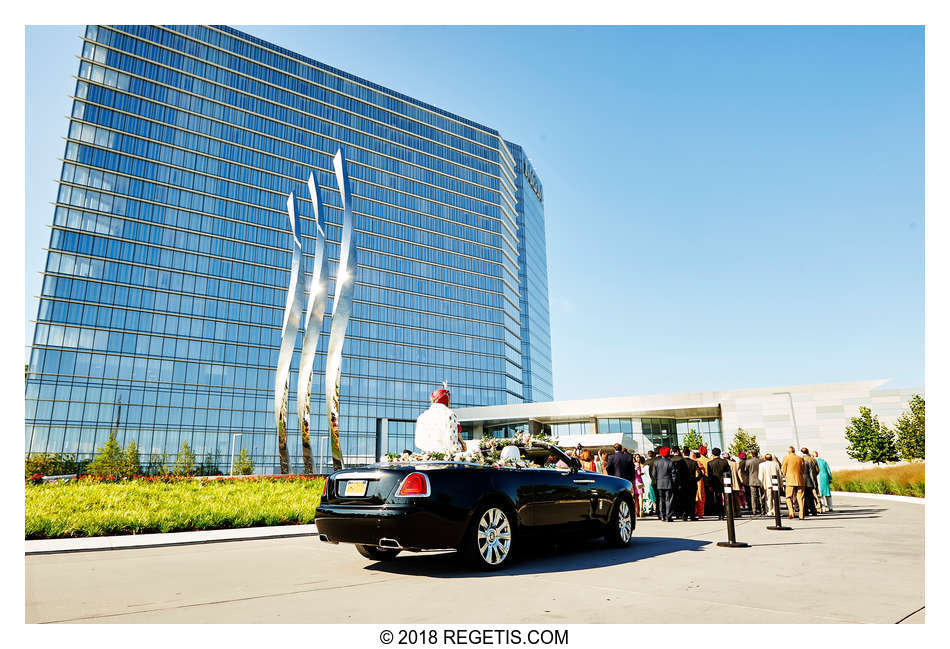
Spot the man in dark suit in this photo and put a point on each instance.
(663, 484)
(717, 467)
(687, 493)
(753, 483)
(679, 479)
(620, 464)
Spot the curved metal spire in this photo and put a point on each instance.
(288, 337)
(342, 307)
(316, 308)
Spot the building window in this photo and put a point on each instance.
(506, 430)
(401, 436)
(708, 428)
(611, 425)
(659, 432)
(563, 429)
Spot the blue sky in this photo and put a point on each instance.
(726, 207)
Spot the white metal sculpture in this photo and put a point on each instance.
(342, 307)
(316, 308)
(288, 337)
(313, 322)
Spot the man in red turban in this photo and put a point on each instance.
(663, 484)
(438, 429)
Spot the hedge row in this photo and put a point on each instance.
(102, 507)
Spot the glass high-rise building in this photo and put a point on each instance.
(169, 256)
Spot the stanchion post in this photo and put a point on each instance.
(730, 522)
(778, 507)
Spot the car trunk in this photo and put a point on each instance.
(365, 486)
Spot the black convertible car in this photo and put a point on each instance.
(480, 511)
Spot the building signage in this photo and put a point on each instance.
(533, 180)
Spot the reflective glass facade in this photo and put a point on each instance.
(533, 282)
(169, 255)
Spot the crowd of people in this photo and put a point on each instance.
(685, 484)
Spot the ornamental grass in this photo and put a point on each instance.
(903, 480)
(92, 506)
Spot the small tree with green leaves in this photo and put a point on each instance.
(109, 460)
(743, 442)
(692, 440)
(910, 431)
(244, 465)
(869, 440)
(53, 464)
(131, 466)
(186, 462)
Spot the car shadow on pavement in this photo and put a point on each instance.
(536, 558)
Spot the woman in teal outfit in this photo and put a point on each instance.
(824, 480)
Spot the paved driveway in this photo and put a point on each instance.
(864, 563)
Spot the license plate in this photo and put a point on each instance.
(355, 488)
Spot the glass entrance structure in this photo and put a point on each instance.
(169, 254)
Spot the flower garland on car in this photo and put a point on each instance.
(487, 453)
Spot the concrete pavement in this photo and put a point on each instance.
(864, 563)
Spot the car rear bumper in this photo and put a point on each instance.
(411, 526)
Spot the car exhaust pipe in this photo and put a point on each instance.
(326, 539)
(389, 544)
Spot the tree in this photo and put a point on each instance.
(185, 463)
(869, 440)
(109, 460)
(692, 440)
(131, 465)
(53, 464)
(244, 464)
(910, 431)
(743, 442)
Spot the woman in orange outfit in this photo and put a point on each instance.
(701, 484)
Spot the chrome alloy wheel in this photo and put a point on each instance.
(624, 524)
(494, 536)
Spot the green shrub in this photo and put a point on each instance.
(109, 459)
(53, 464)
(692, 440)
(743, 441)
(130, 460)
(244, 464)
(185, 462)
(104, 506)
(880, 486)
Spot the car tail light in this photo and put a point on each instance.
(325, 481)
(415, 484)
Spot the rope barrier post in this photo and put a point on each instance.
(778, 507)
(730, 522)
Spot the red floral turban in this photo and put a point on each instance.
(440, 396)
(702, 450)
(664, 451)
